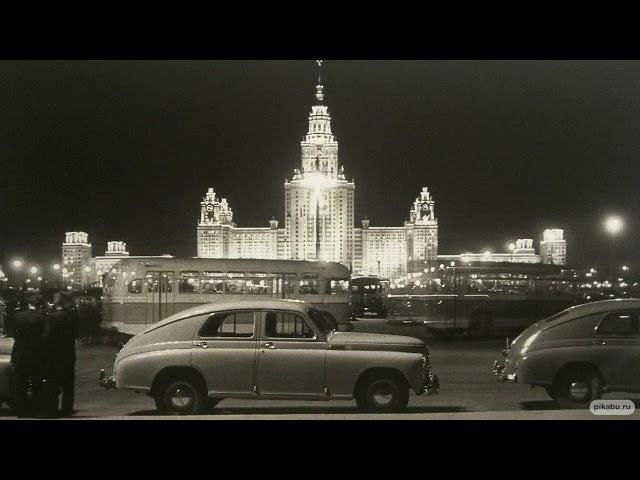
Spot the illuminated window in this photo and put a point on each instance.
(189, 282)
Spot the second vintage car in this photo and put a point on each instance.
(579, 353)
(6, 372)
(269, 349)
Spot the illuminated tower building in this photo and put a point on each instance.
(318, 198)
(76, 260)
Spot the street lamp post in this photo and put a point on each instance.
(613, 225)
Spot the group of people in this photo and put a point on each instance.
(43, 358)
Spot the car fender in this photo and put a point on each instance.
(138, 371)
(345, 367)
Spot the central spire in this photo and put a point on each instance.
(319, 87)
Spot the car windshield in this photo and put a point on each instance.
(323, 319)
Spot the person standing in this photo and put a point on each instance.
(60, 333)
(27, 359)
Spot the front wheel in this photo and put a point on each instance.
(182, 396)
(382, 395)
(576, 388)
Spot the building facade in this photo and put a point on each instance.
(116, 251)
(219, 237)
(76, 260)
(319, 217)
(553, 247)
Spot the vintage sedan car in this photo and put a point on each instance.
(268, 349)
(579, 353)
(6, 372)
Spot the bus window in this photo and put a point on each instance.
(212, 282)
(309, 287)
(258, 284)
(338, 287)
(189, 282)
(135, 286)
(235, 283)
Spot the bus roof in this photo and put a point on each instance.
(508, 267)
(238, 264)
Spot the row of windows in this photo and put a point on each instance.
(237, 283)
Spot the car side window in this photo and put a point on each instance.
(229, 325)
(620, 324)
(286, 325)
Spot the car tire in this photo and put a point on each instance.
(382, 394)
(182, 395)
(576, 388)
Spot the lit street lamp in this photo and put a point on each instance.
(512, 247)
(613, 225)
(33, 270)
(17, 264)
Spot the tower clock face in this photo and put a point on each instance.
(209, 207)
(425, 208)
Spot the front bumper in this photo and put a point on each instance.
(107, 381)
(430, 381)
(503, 374)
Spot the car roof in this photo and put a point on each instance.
(597, 307)
(222, 305)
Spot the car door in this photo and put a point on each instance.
(224, 351)
(617, 340)
(291, 356)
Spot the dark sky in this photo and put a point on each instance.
(124, 150)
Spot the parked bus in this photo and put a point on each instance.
(367, 296)
(483, 298)
(141, 291)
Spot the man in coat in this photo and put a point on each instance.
(27, 358)
(60, 333)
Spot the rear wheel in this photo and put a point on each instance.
(383, 394)
(576, 387)
(182, 395)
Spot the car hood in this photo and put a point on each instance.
(375, 341)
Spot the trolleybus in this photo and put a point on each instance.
(481, 298)
(141, 291)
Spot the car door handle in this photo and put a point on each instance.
(201, 344)
(269, 345)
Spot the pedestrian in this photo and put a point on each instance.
(27, 359)
(60, 334)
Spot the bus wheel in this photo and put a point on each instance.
(182, 395)
(480, 324)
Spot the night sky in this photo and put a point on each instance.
(124, 150)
